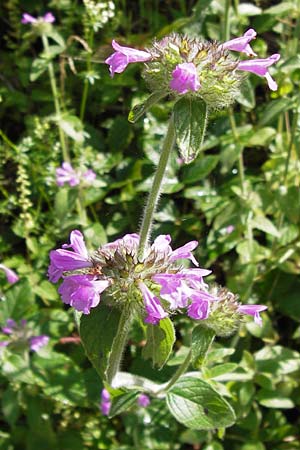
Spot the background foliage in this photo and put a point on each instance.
(240, 199)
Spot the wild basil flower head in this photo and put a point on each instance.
(226, 312)
(178, 65)
(20, 335)
(66, 174)
(153, 286)
(47, 18)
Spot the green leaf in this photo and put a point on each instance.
(38, 67)
(123, 402)
(41, 434)
(274, 108)
(262, 137)
(200, 169)
(195, 404)
(160, 341)
(73, 127)
(20, 302)
(46, 290)
(273, 399)
(190, 119)
(97, 331)
(139, 110)
(53, 34)
(202, 338)
(264, 224)
(220, 369)
(246, 95)
(10, 405)
(120, 134)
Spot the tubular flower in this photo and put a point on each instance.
(123, 56)
(37, 342)
(253, 310)
(185, 78)
(64, 260)
(27, 18)
(105, 403)
(11, 276)
(66, 174)
(21, 333)
(241, 44)
(143, 400)
(260, 68)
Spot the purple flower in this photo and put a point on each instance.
(19, 332)
(82, 291)
(241, 44)
(11, 276)
(10, 327)
(178, 288)
(66, 174)
(229, 229)
(143, 400)
(185, 252)
(253, 310)
(105, 404)
(4, 343)
(63, 260)
(37, 342)
(155, 311)
(89, 176)
(27, 18)
(119, 60)
(185, 78)
(200, 307)
(260, 67)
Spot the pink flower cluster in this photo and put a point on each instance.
(66, 174)
(20, 332)
(163, 285)
(185, 76)
(47, 18)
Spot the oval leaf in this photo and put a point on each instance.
(97, 331)
(160, 341)
(139, 110)
(123, 402)
(190, 119)
(195, 404)
(202, 338)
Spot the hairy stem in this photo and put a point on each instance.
(86, 81)
(55, 99)
(180, 371)
(156, 188)
(244, 187)
(118, 345)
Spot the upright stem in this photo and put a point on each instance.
(180, 371)
(156, 187)
(244, 188)
(55, 99)
(226, 30)
(86, 81)
(118, 345)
